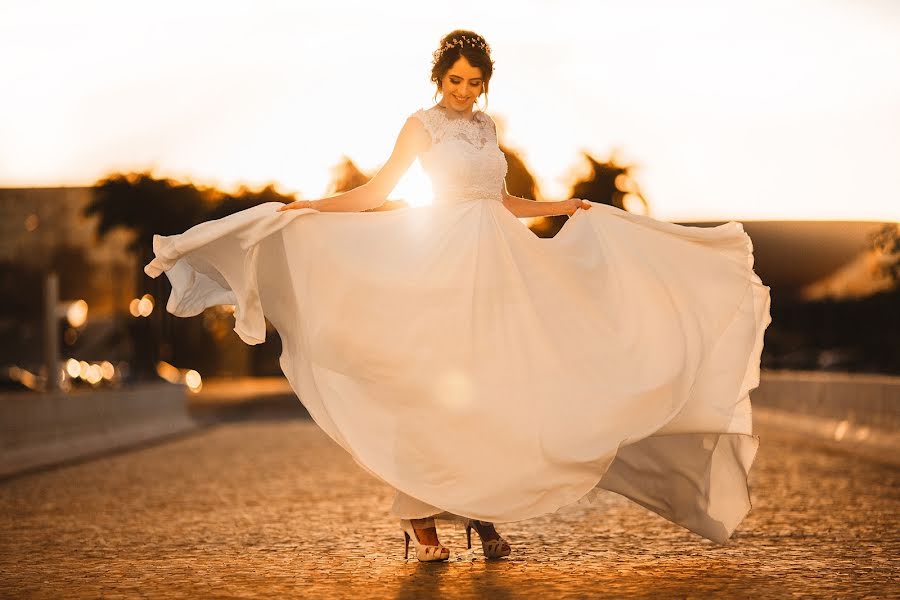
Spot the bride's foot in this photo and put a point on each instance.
(493, 545)
(426, 531)
(423, 535)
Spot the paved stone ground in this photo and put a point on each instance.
(272, 508)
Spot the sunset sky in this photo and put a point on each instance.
(745, 110)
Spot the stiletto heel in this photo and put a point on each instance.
(424, 552)
(495, 548)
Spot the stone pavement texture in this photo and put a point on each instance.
(272, 508)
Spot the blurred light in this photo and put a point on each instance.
(133, 308)
(77, 313)
(73, 368)
(83, 369)
(31, 222)
(24, 377)
(624, 183)
(107, 370)
(193, 380)
(145, 306)
(168, 372)
(70, 336)
(94, 374)
(841, 430)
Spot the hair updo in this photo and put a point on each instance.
(455, 44)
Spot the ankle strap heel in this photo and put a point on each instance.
(495, 548)
(424, 552)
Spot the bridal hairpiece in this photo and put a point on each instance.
(465, 41)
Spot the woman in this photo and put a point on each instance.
(486, 374)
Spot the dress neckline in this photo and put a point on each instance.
(476, 115)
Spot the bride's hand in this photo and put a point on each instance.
(573, 204)
(296, 205)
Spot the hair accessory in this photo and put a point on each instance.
(463, 42)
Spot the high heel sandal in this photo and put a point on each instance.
(495, 548)
(424, 552)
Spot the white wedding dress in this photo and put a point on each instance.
(485, 372)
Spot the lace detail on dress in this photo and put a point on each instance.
(464, 161)
(477, 131)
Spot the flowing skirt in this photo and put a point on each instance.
(484, 371)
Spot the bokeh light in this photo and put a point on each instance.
(193, 380)
(77, 313)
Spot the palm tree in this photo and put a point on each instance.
(147, 206)
(607, 182)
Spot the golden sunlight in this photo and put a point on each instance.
(414, 188)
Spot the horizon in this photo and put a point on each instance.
(687, 221)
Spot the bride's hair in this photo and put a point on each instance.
(462, 42)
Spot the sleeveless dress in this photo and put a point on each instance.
(485, 372)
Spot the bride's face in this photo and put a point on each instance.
(462, 85)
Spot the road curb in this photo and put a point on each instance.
(838, 434)
(855, 412)
(40, 430)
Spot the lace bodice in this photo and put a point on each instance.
(464, 161)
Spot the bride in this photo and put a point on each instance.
(486, 374)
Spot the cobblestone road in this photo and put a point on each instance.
(272, 508)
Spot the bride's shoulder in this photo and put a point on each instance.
(425, 117)
(484, 117)
(486, 120)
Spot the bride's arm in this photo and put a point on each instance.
(522, 207)
(412, 139)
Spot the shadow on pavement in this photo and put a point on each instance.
(269, 408)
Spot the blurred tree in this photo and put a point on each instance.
(607, 182)
(610, 183)
(887, 241)
(519, 180)
(147, 206)
(245, 198)
(346, 176)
